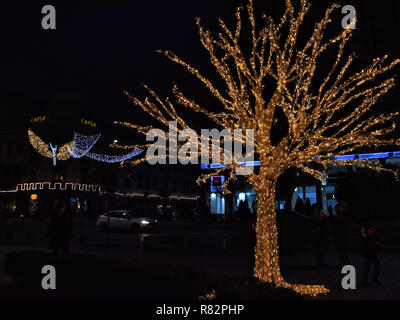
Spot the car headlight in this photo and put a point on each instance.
(144, 222)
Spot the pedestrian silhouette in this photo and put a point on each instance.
(60, 228)
(330, 212)
(341, 233)
(371, 248)
(308, 207)
(319, 234)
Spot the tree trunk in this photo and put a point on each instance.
(266, 267)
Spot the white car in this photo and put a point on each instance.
(125, 220)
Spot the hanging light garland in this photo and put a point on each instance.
(112, 158)
(78, 148)
(83, 144)
(48, 150)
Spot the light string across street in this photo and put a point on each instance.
(78, 148)
(83, 144)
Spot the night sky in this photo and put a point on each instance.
(97, 51)
(100, 49)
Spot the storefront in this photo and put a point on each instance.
(37, 200)
(308, 192)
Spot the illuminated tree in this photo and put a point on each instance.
(326, 116)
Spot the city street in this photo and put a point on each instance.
(199, 151)
(219, 248)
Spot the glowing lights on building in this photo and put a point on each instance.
(33, 186)
(363, 156)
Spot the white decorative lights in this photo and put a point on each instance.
(78, 148)
(83, 144)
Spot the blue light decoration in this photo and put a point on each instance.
(113, 159)
(360, 156)
(54, 151)
(219, 165)
(83, 144)
(216, 183)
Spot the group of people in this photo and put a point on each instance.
(340, 223)
(319, 233)
(243, 212)
(60, 231)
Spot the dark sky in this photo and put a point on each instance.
(97, 51)
(100, 49)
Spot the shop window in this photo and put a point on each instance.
(78, 205)
(310, 193)
(33, 204)
(217, 203)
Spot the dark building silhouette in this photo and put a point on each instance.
(30, 183)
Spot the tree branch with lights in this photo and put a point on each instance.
(326, 117)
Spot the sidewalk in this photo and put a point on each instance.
(301, 270)
(296, 268)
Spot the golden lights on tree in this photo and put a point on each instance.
(325, 117)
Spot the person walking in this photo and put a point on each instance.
(341, 233)
(60, 228)
(319, 234)
(371, 248)
(330, 214)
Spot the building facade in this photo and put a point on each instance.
(30, 183)
(304, 188)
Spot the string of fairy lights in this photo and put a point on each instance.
(79, 147)
(317, 131)
(48, 150)
(83, 144)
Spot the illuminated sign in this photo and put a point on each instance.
(88, 123)
(38, 119)
(216, 183)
